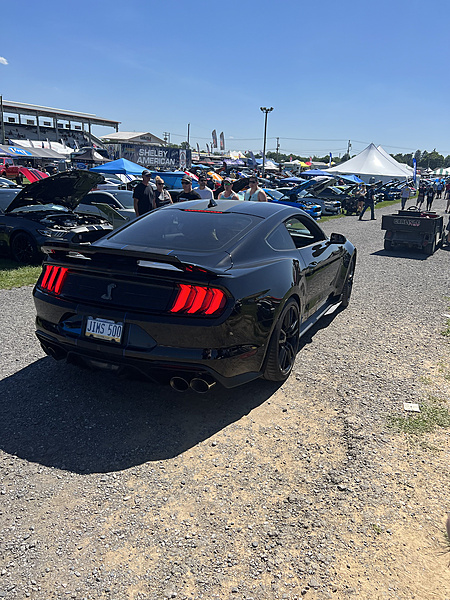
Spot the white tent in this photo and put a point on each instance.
(372, 162)
(408, 170)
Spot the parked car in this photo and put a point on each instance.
(312, 208)
(194, 293)
(43, 211)
(8, 168)
(119, 200)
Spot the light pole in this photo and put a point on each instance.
(266, 111)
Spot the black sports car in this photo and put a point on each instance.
(194, 293)
(42, 212)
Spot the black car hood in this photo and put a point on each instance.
(65, 189)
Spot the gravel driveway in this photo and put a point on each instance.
(126, 490)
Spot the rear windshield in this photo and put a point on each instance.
(174, 229)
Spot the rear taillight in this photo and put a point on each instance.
(198, 300)
(53, 279)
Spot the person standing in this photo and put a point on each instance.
(143, 195)
(406, 192)
(188, 193)
(162, 196)
(203, 191)
(439, 188)
(228, 193)
(369, 201)
(430, 196)
(420, 196)
(255, 193)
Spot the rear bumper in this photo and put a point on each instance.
(191, 353)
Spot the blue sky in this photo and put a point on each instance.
(333, 71)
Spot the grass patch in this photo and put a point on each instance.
(433, 414)
(14, 275)
(446, 331)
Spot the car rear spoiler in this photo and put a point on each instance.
(156, 258)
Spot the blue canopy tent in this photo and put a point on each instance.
(119, 166)
(315, 172)
(352, 178)
(292, 180)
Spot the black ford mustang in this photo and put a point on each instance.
(194, 293)
(43, 212)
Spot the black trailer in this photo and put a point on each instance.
(413, 228)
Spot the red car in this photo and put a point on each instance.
(8, 168)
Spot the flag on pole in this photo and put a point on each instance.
(222, 142)
(214, 138)
(331, 158)
(415, 170)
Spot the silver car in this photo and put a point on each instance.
(116, 205)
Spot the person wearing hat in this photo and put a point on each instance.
(204, 191)
(228, 193)
(143, 195)
(188, 193)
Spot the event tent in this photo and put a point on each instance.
(120, 166)
(372, 162)
(442, 172)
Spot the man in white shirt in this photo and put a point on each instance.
(406, 192)
(204, 191)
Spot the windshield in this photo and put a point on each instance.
(124, 197)
(174, 229)
(275, 194)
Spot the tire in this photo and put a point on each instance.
(24, 249)
(431, 248)
(283, 345)
(387, 245)
(348, 285)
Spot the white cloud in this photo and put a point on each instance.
(3, 61)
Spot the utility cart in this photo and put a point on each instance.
(413, 228)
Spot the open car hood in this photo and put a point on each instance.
(316, 184)
(65, 189)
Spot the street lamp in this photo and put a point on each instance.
(266, 111)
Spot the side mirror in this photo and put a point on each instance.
(337, 238)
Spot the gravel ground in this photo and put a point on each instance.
(126, 490)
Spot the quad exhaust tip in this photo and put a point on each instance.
(197, 384)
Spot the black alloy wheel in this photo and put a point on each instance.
(348, 285)
(283, 345)
(24, 249)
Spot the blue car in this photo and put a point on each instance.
(314, 210)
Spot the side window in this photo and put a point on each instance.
(303, 232)
(279, 239)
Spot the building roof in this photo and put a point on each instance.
(144, 137)
(58, 113)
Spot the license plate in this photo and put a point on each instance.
(104, 329)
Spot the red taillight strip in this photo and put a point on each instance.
(197, 299)
(53, 278)
(48, 270)
(60, 280)
(182, 297)
(197, 302)
(217, 302)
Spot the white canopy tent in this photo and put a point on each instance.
(373, 162)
